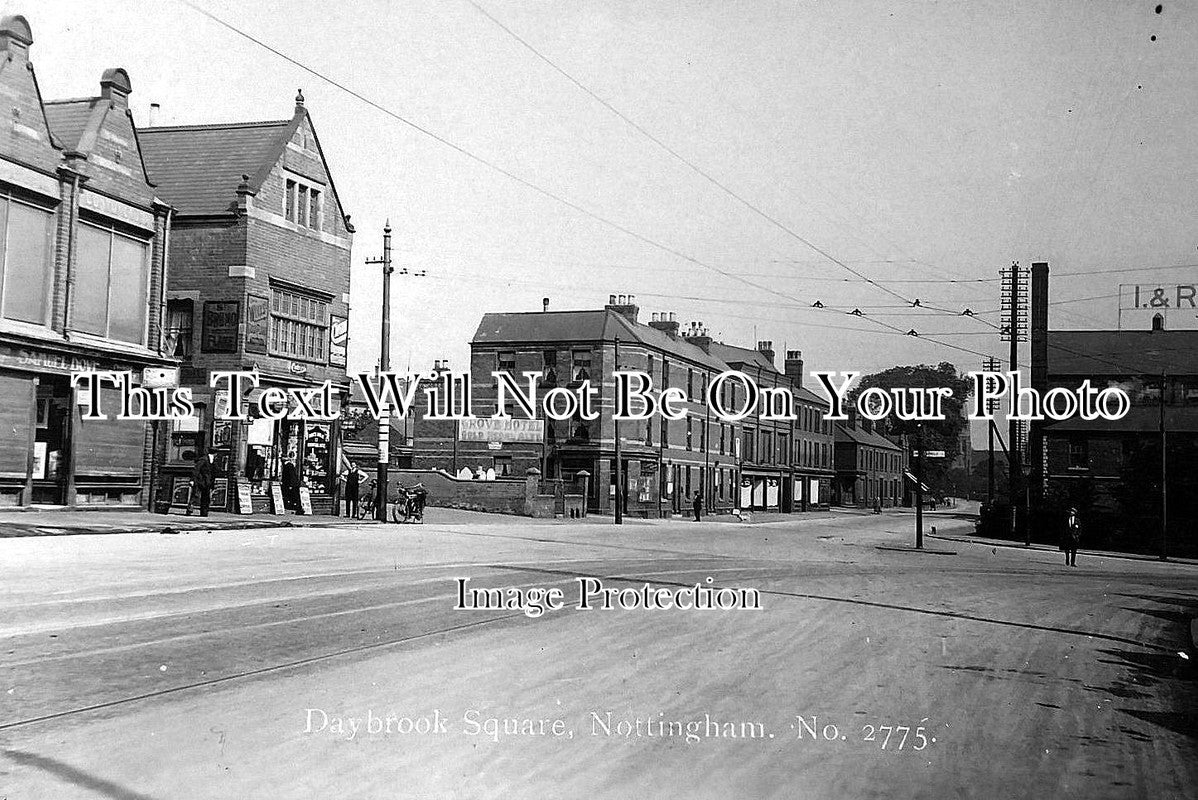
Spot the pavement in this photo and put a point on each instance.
(330, 661)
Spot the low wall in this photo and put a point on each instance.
(500, 496)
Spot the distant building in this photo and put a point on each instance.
(259, 281)
(870, 468)
(1111, 470)
(664, 462)
(81, 286)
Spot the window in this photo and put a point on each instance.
(665, 432)
(548, 370)
(180, 324)
(690, 384)
(1079, 454)
(503, 466)
(580, 367)
(689, 433)
(298, 325)
(506, 361)
(302, 204)
(26, 270)
(111, 284)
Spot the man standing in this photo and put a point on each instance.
(698, 504)
(201, 483)
(1072, 537)
(352, 484)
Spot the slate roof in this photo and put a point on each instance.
(547, 327)
(199, 167)
(861, 436)
(1122, 352)
(68, 119)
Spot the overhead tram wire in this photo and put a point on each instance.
(683, 159)
(550, 193)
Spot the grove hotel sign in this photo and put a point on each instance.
(501, 430)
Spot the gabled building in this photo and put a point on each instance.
(81, 286)
(260, 274)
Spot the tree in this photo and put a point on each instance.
(942, 434)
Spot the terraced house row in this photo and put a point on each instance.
(141, 249)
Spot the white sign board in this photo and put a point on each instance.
(501, 430)
(1175, 303)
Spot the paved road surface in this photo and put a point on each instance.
(221, 665)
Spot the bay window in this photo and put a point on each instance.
(111, 284)
(26, 269)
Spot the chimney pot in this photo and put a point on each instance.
(611, 300)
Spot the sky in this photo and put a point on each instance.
(908, 143)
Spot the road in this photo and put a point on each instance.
(235, 664)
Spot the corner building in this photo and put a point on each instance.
(260, 271)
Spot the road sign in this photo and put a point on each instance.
(930, 453)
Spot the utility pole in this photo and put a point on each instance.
(380, 485)
(619, 465)
(1164, 476)
(990, 365)
(1014, 302)
(919, 486)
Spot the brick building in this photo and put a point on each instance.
(81, 285)
(785, 465)
(870, 468)
(664, 462)
(1111, 470)
(259, 280)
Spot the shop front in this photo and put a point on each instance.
(265, 466)
(49, 454)
(761, 490)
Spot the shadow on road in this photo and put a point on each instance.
(75, 776)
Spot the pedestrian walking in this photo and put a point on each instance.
(202, 478)
(1072, 537)
(697, 503)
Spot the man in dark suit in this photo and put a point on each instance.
(202, 479)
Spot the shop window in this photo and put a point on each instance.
(111, 284)
(26, 270)
(298, 325)
(180, 324)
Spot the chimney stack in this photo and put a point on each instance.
(793, 366)
(625, 305)
(767, 350)
(155, 109)
(665, 323)
(544, 304)
(697, 335)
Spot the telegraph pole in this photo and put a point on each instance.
(919, 486)
(619, 465)
(990, 365)
(1014, 302)
(380, 485)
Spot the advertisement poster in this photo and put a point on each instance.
(338, 340)
(257, 323)
(221, 318)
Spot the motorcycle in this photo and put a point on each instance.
(407, 504)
